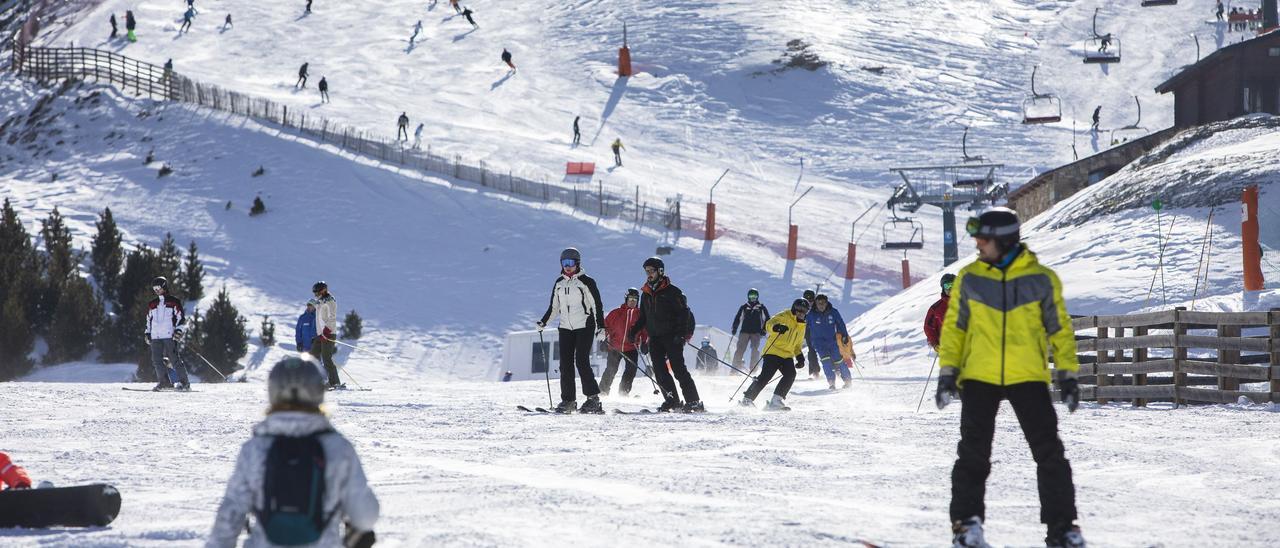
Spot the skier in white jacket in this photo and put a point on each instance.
(296, 389)
(576, 300)
(324, 345)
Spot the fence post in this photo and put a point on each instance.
(1119, 379)
(1139, 356)
(1273, 318)
(1179, 356)
(602, 197)
(1102, 358)
(1228, 357)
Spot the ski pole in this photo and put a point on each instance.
(649, 364)
(354, 347)
(349, 377)
(726, 364)
(926, 382)
(215, 369)
(753, 367)
(633, 364)
(546, 361)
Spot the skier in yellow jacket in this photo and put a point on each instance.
(1006, 315)
(786, 339)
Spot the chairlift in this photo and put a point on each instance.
(892, 234)
(1102, 48)
(1120, 136)
(964, 148)
(1040, 108)
(1154, 3)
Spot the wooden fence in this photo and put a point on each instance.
(1180, 356)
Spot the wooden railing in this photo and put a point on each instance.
(1180, 356)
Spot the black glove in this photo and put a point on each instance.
(354, 538)
(146, 339)
(780, 329)
(540, 325)
(299, 348)
(799, 357)
(1069, 387)
(947, 388)
(177, 335)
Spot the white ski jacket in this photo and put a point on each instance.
(164, 317)
(576, 300)
(346, 488)
(327, 315)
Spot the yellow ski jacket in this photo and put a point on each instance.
(789, 344)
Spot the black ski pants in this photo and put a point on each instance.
(575, 353)
(1033, 405)
(611, 369)
(815, 366)
(774, 364)
(323, 350)
(671, 348)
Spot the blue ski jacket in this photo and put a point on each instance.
(305, 330)
(823, 327)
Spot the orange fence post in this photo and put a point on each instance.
(1252, 252)
(711, 221)
(624, 55)
(906, 273)
(792, 235)
(853, 256)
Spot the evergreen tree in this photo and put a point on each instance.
(258, 207)
(16, 339)
(170, 257)
(352, 325)
(193, 275)
(140, 267)
(62, 259)
(75, 322)
(225, 339)
(107, 255)
(133, 331)
(19, 294)
(267, 334)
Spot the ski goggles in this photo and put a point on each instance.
(947, 286)
(974, 227)
(566, 263)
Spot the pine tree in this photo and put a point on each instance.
(352, 325)
(75, 322)
(107, 255)
(19, 294)
(140, 267)
(170, 258)
(62, 259)
(193, 275)
(16, 339)
(258, 207)
(225, 339)
(130, 306)
(267, 334)
(134, 333)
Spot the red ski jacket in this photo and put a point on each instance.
(13, 475)
(616, 325)
(933, 320)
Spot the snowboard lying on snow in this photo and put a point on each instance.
(92, 505)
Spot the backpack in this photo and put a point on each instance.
(293, 491)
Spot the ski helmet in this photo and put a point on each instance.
(947, 281)
(656, 264)
(800, 305)
(318, 286)
(998, 223)
(160, 282)
(570, 253)
(633, 293)
(809, 295)
(295, 381)
(753, 295)
(821, 297)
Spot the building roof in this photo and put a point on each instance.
(1188, 72)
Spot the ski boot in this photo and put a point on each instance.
(159, 387)
(182, 387)
(670, 406)
(847, 384)
(592, 405)
(831, 385)
(968, 534)
(566, 407)
(776, 404)
(747, 402)
(1066, 535)
(695, 407)
(333, 387)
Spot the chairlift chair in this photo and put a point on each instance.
(1120, 136)
(915, 240)
(1102, 48)
(1040, 108)
(1153, 3)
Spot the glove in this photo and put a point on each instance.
(299, 348)
(328, 334)
(600, 334)
(541, 326)
(146, 339)
(1069, 387)
(177, 335)
(947, 388)
(799, 357)
(780, 329)
(644, 347)
(355, 538)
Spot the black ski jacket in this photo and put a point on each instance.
(664, 312)
(752, 317)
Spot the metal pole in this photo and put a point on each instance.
(793, 204)
(926, 382)
(711, 196)
(546, 370)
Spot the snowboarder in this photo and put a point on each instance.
(824, 327)
(227, 24)
(417, 136)
(305, 330)
(750, 318)
(616, 324)
(994, 346)
(325, 343)
(707, 357)
(324, 90)
(577, 133)
(308, 6)
(466, 12)
(416, 29)
(575, 299)
(274, 471)
(784, 354)
(186, 20)
(1097, 116)
(617, 151)
(938, 311)
(456, 8)
(815, 368)
(506, 58)
(403, 124)
(116, 29)
(13, 476)
(129, 25)
(302, 77)
(165, 320)
(665, 315)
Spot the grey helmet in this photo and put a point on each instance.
(295, 381)
(571, 253)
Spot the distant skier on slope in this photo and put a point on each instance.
(164, 323)
(129, 25)
(186, 20)
(416, 29)
(1218, 9)
(324, 90)
(938, 311)
(402, 124)
(506, 58)
(300, 478)
(305, 330)
(12, 475)
(616, 325)
(308, 6)
(227, 24)
(577, 133)
(466, 12)
(575, 299)
(707, 356)
(114, 29)
(617, 151)
(456, 8)
(1009, 314)
(417, 136)
(302, 77)
(783, 354)
(1097, 116)
(324, 345)
(665, 316)
(748, 326)
(824, 328)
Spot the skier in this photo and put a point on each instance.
(227, 24)
(324, 344)
(165, 321)
(116, 29)
(506, 58)
(577, 134)
(786, 343)
(665, 315)
(1097, 116)
(308, 6)
(186, 20)
(617, 151)
(466, 12)
(824, 327)
(129, 25)
(168, 67)
(1217, 10)
(324, 90)
(13, 476)
(277, 471)
(302, 77)
(751, 317)
(305, 330)
(938, 311)
(994, 348)
(403, 124)
(576, 300)
(417, 136)
(416, 29)
(815, 368)
(616, 325)
(707, 356)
